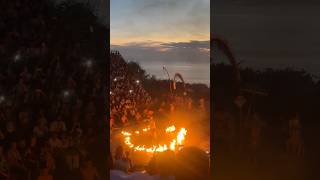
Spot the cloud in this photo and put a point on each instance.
(171, 33)
(191, 44)
(160, 20)
(192, 59)
(191, 49)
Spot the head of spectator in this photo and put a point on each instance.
(192, 163)
(166, 163)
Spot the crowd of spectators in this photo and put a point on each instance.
(130, 102)
(51, 98)
(127, 96)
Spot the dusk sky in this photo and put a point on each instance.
(270, 33)
(157, 33)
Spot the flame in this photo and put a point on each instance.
(159, 148)
(127, 141)
(171, 129)
(162, 148)
(156, 148)
(125, 133)
(146, 129)
(182, 133)
(173, 145)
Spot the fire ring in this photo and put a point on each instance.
(178, 140)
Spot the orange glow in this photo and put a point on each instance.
(173, 145)
(156, 148)
(155, 40)
(171, 129)
(145, 129)
(181, 135)
(126, 133)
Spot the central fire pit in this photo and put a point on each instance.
(170, 139)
